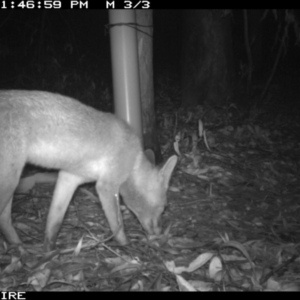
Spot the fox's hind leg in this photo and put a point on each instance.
(9, 178)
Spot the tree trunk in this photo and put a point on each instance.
(255, 31)
(207, 65)
(145, 45)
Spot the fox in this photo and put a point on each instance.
(85, 145)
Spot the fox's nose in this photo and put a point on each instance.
(152, 226)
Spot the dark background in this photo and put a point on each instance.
(77, 39)
(68, 51)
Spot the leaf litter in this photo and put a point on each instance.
(232, 222)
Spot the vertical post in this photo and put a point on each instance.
(125, 68)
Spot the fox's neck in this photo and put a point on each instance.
(137, 180)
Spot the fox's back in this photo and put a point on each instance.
(59, 132)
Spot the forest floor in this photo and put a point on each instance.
(232, 221)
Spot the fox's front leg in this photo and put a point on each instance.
(109, 197)
(65, 187)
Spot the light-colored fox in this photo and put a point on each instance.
(86, 145)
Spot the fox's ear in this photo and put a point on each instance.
(167, 169)
(150, 155)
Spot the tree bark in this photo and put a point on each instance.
(207, 65)
(145, 50)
